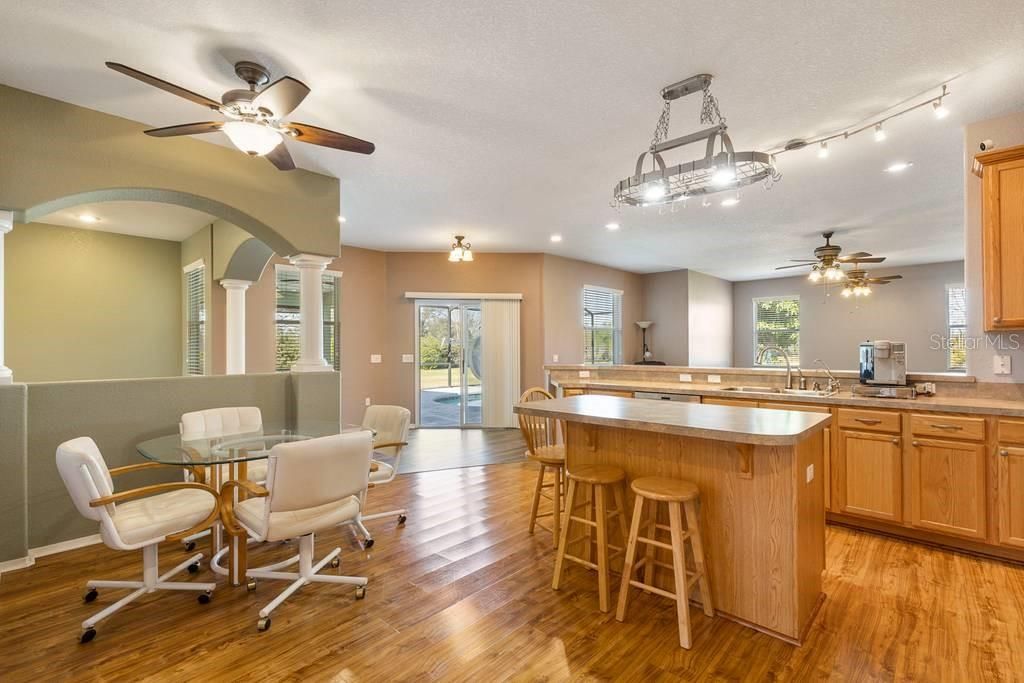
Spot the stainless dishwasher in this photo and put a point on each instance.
(658, 396)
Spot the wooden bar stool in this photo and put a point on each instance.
(541, 435)
(601, 479)
(678, 495)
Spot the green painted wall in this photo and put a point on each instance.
(84, 304)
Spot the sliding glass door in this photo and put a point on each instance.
(449, 344)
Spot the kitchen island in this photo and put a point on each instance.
(762, 498)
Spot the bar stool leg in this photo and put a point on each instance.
(556, 501)
(620, 504)
(570, 502)
(697, 546)
(601, 514)
(627, 568)
(536, 498)
(679, 569)
(650, 552)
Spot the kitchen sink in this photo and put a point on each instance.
(755, 390)
(777, 390)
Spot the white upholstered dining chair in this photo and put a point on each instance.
(221, 423)
(390, 425)
(133, 519)
(312, 485)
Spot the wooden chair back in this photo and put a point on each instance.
(537, 431)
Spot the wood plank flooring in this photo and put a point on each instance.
(462, 593)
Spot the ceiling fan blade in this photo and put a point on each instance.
(888, 277)
(186, 129)
(873, 281)
(804, 260)
(870, 259)
(328, 138)
(281, 97)
(856, 256)
(797, 265)
(282, 158)
(164, 85)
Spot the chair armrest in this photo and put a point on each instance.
(227, 503)
(153, 489)
(390, 444)
(196, 472)
(374, 466)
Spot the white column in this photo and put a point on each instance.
(311, 312)
(6, 225)
(235, 319)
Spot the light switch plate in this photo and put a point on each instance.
(684, 377)
(1000, 365)
(584, 374)
(554, 358)
(408, 358)
(367, 400)
(374, 357)
(810, 473)
(714, 379)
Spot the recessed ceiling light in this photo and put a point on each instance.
(730, 201)
(342, 219)
(556, 238)
(899, 166)
(88, 218)
(612, 226)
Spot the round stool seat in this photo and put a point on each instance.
(549, 455)
(665, 489)
(597, 474)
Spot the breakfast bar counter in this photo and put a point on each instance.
(759, 472)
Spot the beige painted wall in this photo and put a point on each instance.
(665, 303)
(84, 304)
(709, 313)
(563, 281)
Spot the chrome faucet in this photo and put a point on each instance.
(789, 367)
(833, 383)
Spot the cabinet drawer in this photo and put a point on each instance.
(566, 393)
(969, 428)
(869, 420)
(740, 403)
(1011, 431)
(611, 392)
(774, 405)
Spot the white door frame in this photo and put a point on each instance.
(462, 302)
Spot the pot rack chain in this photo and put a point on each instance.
(661, 129)
(709, 111)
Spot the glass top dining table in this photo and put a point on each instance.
(235, 448)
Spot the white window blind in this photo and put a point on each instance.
(602, 325)
(777, 323)
(195, 320)
(286, 319)
(956, 316)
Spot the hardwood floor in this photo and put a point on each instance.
(442, 449)
(463, 593)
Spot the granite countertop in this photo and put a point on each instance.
(944, 404)
(758, 426)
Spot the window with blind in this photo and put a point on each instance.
(286, 319)
(195, 319)
(602, 325)
(956, 320)
(777, 323)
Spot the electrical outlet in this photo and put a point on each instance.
(685, 377)
(367, 400)
(374, 357)
(810, 473)
(1000, 365)
(408, 358)
(554, 358)
(584, 374)
(714, 379)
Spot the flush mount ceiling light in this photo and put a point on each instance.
(461, 251)
(721, 169)
(556, 238)
(612, 226)
(899, 166)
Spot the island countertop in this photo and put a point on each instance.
(757, 426)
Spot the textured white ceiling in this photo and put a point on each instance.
(509, 121)
(141, 219)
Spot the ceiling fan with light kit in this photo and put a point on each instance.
(255, 115)
(858, 282)
(827, 262)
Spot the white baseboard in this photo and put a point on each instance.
(43, 551)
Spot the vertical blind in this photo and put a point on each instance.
(195, 321)
(602, 325)
(286, 319)
(777, 323)
(956, 307)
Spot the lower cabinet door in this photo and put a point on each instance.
(869, 475)
(947, 487)
(1010, 492)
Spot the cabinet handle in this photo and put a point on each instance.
(915, 443)
(895, 440)
(1003, 452)
(867, 421)
(952, 427)
(997, 319)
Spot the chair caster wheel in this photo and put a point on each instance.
(401, 520)
(263, 624)
(90, 596)
(87, 635)
(360, 592)
(250, 585)
(335, 563)
(190, 546)
(204, 598)
(193, 568)
(367, 544)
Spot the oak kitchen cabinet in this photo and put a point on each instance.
(826, 441)
(869, 475)
(1002, 219)
(1010, 483)
(947, 486)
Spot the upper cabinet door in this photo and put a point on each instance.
(1002, 210)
